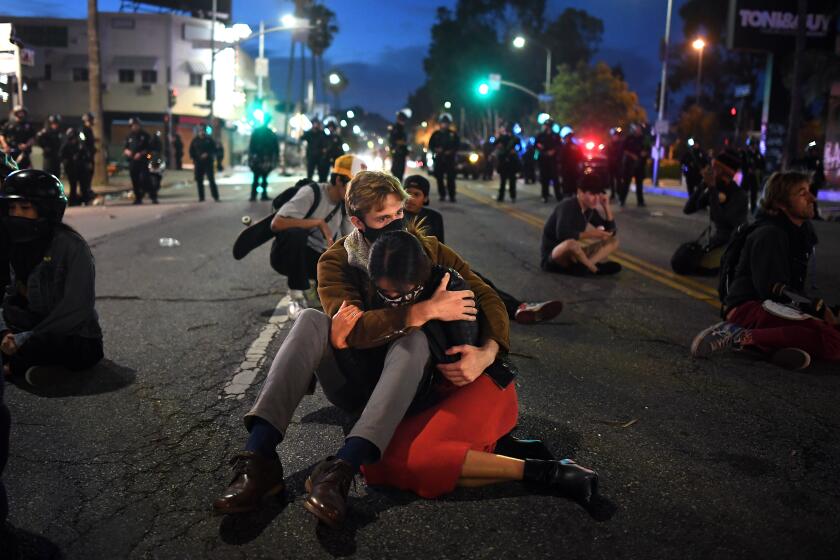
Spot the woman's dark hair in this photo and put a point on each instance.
(399, 257)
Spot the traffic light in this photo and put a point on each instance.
(257, 113)
(733, 111)
(173, 96)
(483, 89)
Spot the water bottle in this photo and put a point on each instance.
(169, 242)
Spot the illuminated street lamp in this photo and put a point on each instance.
(699, 44)
(350, 114)
(519, 42)
(334, 78)
(447, 104)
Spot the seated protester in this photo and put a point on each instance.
(305, 229)
(451, 441)
(431, 222)
(728, 206)
(48, 315)
(770, 267)
(580, 234)
(374, 201)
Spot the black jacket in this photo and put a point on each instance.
(316, 141)
(138, 142)
(200, 147)
(548, 144)
(444, 144)
(50, 140)
(507, 157)
(727, 216)
(775, 252)
(398, 140)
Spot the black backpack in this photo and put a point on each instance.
(731, 256)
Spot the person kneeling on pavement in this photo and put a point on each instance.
(49, 317)
(431, 222)
(762, 284)
(307, 225)
(728, 208)
(374, 201)
(581, 233)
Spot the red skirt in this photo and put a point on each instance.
(428, 450)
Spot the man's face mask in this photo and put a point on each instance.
(23, 230)
(404, 299)
(371, 235)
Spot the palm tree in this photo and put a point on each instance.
(324, 28)
(100, 171)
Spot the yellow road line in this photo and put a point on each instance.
(687, 286)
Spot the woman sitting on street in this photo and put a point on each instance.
(455, 430)
(48, 316)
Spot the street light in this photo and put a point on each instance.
(350, 114)
(699, 44)
(519, 42)
(288, 20)
(334, 78)
(447, 104)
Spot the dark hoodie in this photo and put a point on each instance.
(775, 252)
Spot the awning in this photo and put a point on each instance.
(134, 62)
(75, 61)
(197, 67)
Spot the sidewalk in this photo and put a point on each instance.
(121, 182)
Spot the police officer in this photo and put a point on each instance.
(315, 139)
(203, 151)
(548, 146)
(753, 171)
(333, 149)
(636, 153)
(398, 144)
(50, 139)
(813, 163)
(86, 133)
(488, 149)
(693, 162)
(137, 147)
(507, 158)
(17, 137)
(444, 144)
(154, 167)
(529, 170)
(571, 159)
(615, 160)
(178, 148)
(78, 166)
(263, 155)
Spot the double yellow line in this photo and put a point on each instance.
(687, 286)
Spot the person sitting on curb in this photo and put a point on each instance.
(374, 201)
(48, 317)
(580, 234)
(305, 229)
(431, 221)
(728, 206)
(766, 265)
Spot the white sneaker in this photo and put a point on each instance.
(294, 309)
(296, 294)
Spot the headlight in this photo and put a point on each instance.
(473, 157)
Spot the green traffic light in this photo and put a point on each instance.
(483, 88)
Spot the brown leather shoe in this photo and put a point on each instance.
(328, 486)
(254, 479)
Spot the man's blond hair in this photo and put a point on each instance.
(369, 189)
(779, 189)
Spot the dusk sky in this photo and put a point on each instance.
(381, 44)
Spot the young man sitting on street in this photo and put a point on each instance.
(431, 221)
(580, 234)
(374, 202)
(305, 229)
(770, 269)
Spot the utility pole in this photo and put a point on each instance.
(100, 166)
(662, 90)
(792, 138)
(212, 89)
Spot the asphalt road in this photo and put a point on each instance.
(723, 458)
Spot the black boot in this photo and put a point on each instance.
(565, 478)
(510, 446)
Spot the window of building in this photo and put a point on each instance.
(196, 79)
(148, 76)
(80, 74)
(126, 76)
(47, 72)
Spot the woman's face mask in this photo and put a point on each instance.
(400, 301)
(23, 230)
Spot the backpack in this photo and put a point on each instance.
(289, 193)
(687, 257)
(732, 256)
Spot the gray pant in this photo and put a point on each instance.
(306, 352)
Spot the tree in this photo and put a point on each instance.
(320, 37)
(701, 125)
(594, 97)
(100, 169)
